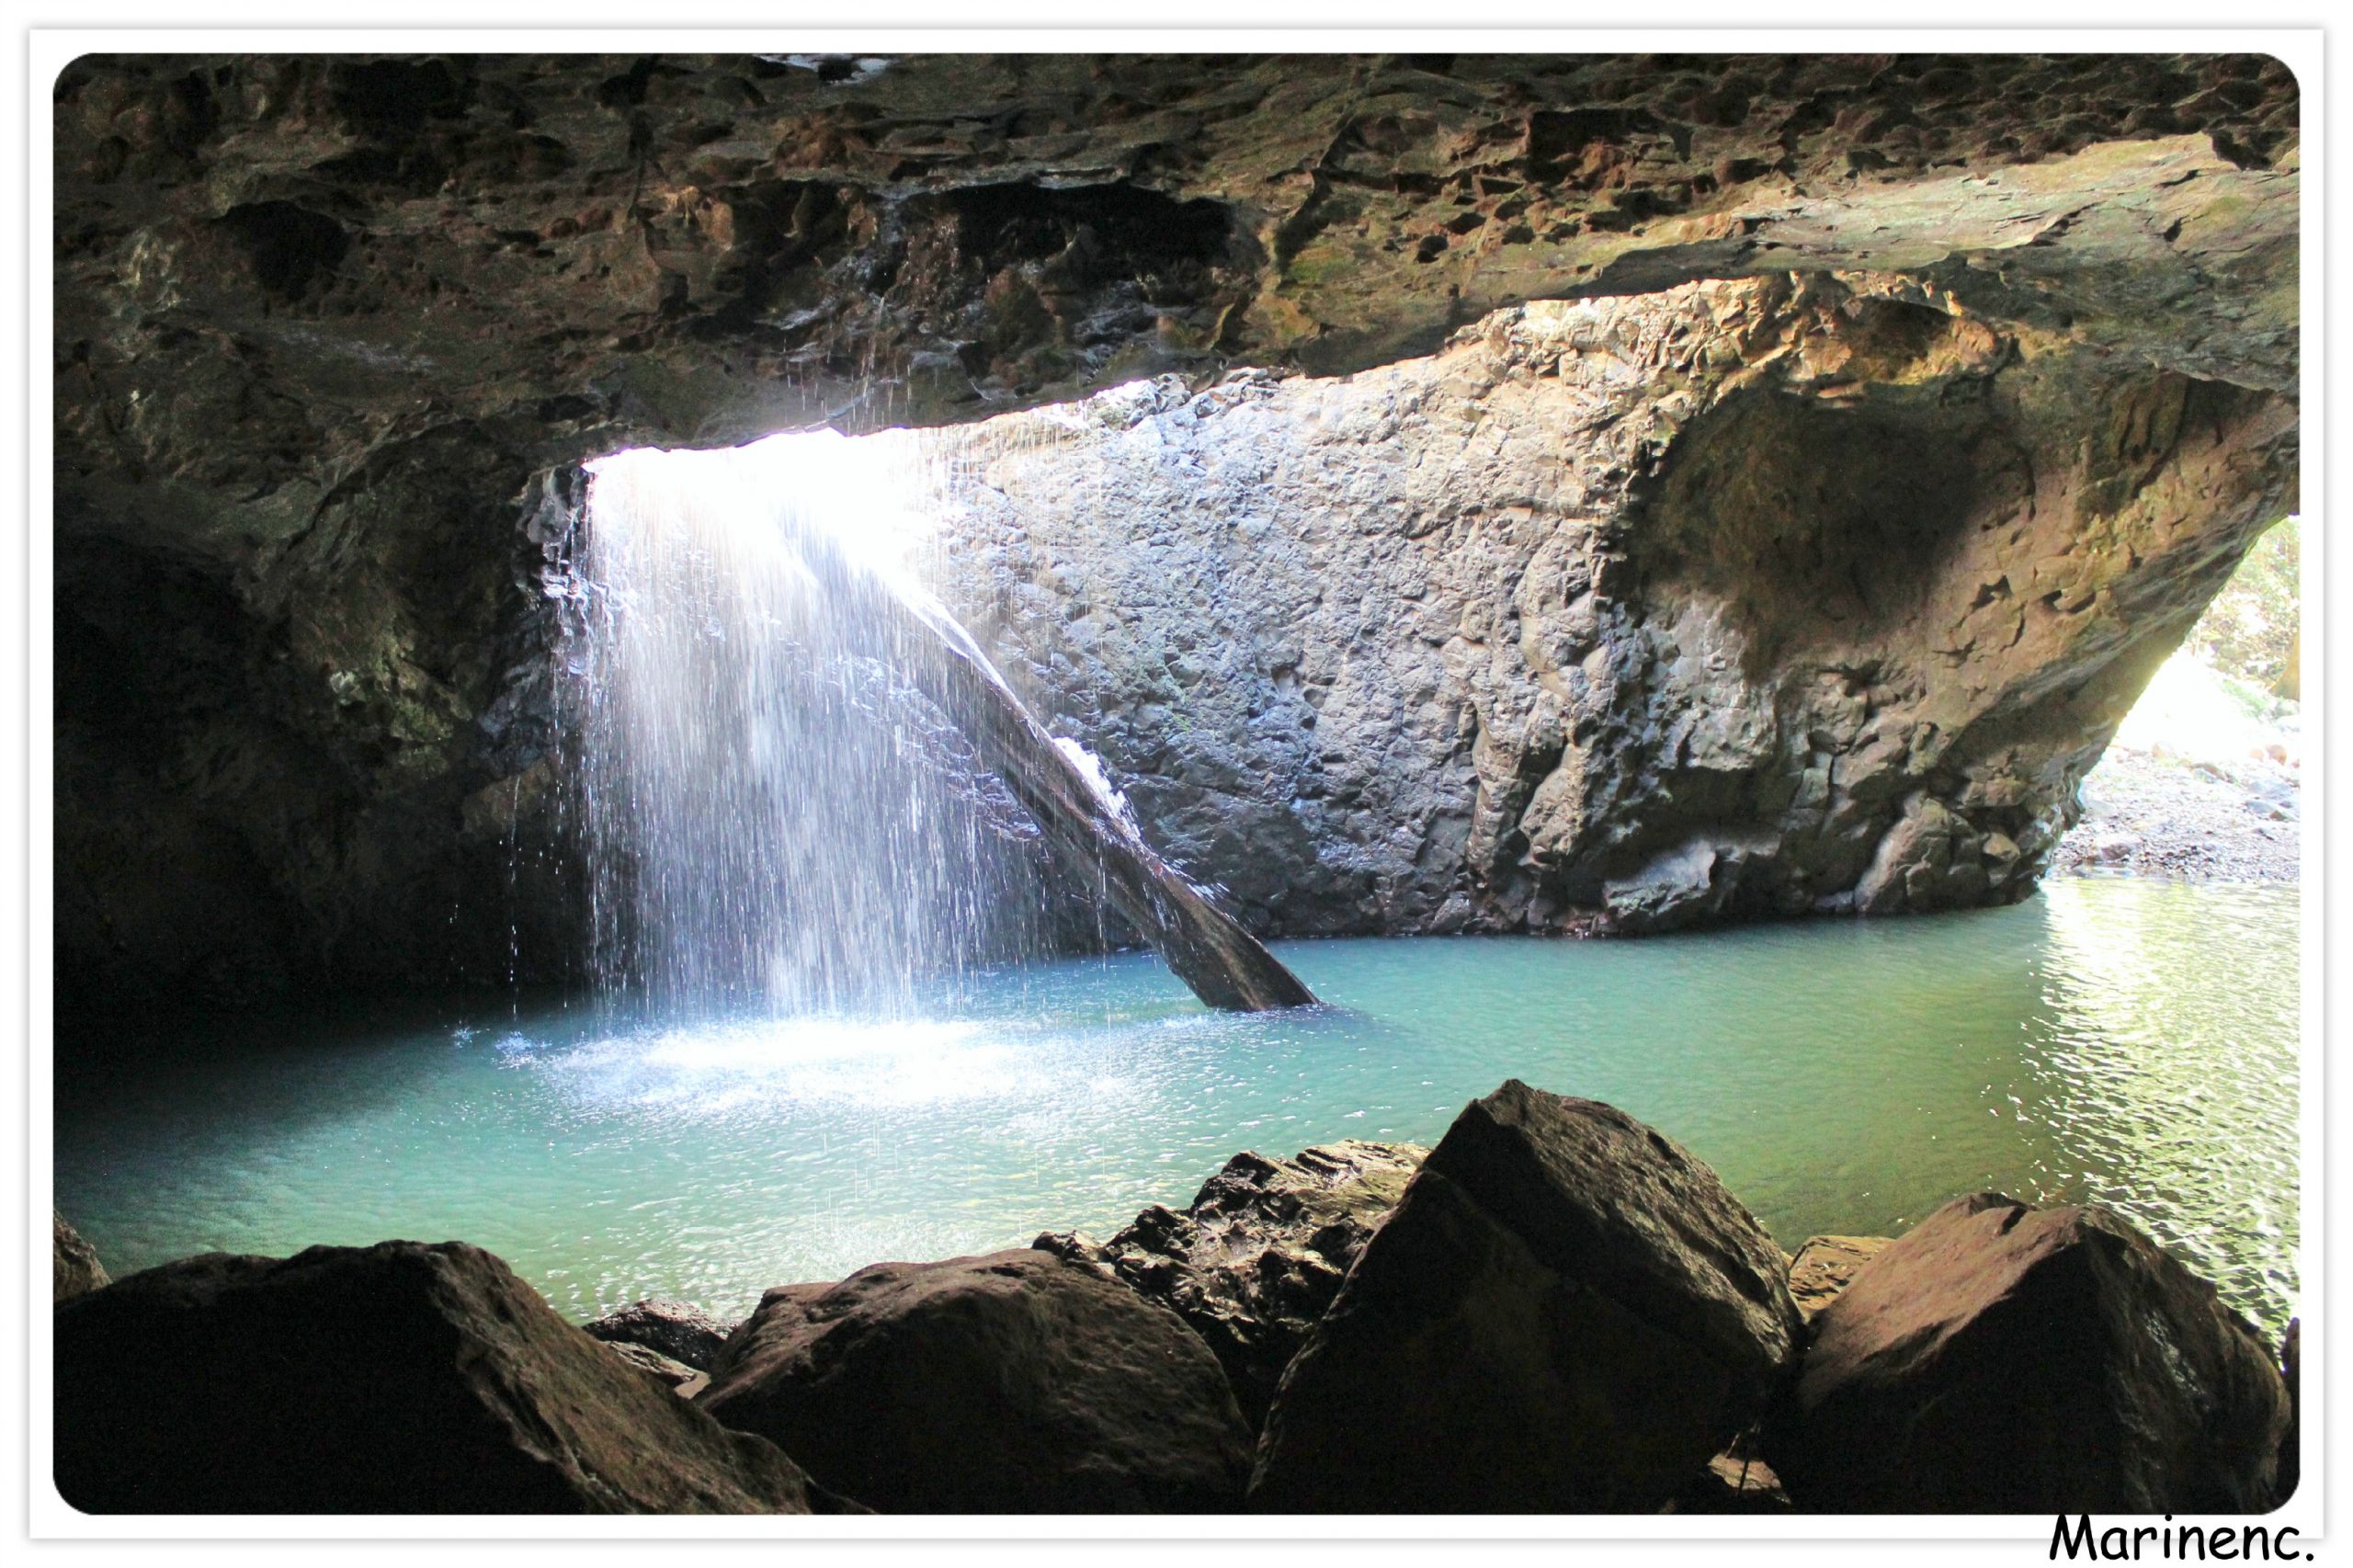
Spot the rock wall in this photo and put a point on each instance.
(326, 325)
(1744, 599)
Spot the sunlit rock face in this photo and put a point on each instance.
(326, 326)
(1740, 600)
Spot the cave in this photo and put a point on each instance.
(712, 673)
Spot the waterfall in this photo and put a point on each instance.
(772, 811)
(800, 782)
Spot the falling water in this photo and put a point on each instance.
(772, 811)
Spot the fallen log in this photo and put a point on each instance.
(1090, 837)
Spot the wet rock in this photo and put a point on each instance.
(1566, 1312)
(394, 1379)
(679, 1330)
(1732, 1484)
(1259, 1255)
(2000, 1359)
(1017, 1383)
(74, 1268)
(1827, 1265)
(677, 1376)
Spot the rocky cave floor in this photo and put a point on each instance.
(2153, 813)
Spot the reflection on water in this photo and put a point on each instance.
(2173, 1090)
(2131, 1043)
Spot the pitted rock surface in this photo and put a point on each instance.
(678, 1330)
(1259, 1254)
(1823, 1265)
(74, 1268)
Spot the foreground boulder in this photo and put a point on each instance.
(678, 1330)
(74, 1268)
(1566, 1313)
(394, 1379)
(1254, 1261)
(1017, 1383)
(2001, 1358)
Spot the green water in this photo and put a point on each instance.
(2129, 1042)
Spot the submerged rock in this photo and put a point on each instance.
(394, 1379)
(1259, 1255)
(1017, 1383)
(1565, 1313)
(2001, 1358)
(1827, 1265)
(679, 1330)
(74, 1268)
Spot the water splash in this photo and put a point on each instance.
(772, 810)
(802, 779)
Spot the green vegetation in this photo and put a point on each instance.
(2248, 634)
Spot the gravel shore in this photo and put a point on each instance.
(2152, 813)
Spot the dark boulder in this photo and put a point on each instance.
(1565, 1313)
(1827, 1265)
(74, 1268)
(1017, 1383)
(396, 1379)
(1258, 1257)
(679, 1330)
(2002, 1359)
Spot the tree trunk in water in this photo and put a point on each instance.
(1224, 965)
